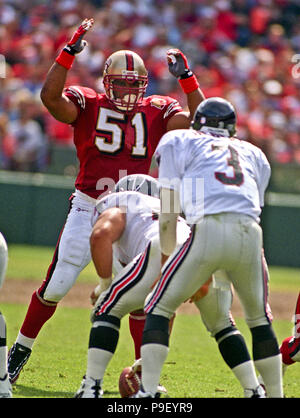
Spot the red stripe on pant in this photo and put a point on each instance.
(123, 284)
(265, 275)
(167, 273)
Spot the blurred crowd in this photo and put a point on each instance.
(247, 51)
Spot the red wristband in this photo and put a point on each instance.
(189, 85)
(65, 59)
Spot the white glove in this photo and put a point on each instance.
(100, 288)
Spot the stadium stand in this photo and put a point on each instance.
(243, 50)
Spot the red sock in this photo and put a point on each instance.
(37, 314)
(136, 326)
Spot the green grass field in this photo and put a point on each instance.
(194, 368)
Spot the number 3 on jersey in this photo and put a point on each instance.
(110, 138)
(238, 177)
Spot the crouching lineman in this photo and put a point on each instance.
(126, 227)
(224, 214)
(5, 386)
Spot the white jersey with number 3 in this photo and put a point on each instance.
(216, 174)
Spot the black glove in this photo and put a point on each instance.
(178, 64)
(76, 44)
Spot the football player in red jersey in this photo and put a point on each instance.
(115, 134)
(290, 346)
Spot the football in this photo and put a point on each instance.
(128, 386)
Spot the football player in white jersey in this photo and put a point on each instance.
(122, 214)
(5, 386)
(218, 182)
(126, 229)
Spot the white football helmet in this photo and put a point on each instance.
(141, 183)
(125, 80)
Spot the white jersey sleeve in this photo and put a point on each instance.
(172, 157)
(263, 176)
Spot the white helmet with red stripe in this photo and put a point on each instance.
(125, 80)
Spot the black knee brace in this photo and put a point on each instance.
(156, 330)
(2, 331)
(105, 333)
(264, 342)
(232, 346)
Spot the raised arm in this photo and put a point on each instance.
(52, 95)
(53, 98)
(179, 68)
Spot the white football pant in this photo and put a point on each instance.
(230, 242)
(73, 252)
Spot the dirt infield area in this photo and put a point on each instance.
(18, 291)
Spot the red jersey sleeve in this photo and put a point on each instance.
(80, 96)
(168, 107)
(172, 107)
(158, 111)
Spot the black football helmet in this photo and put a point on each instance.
(215, 112)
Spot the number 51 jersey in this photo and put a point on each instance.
(214, 174)
(111, 143)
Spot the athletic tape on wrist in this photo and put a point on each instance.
(65, 59)
(189, 85)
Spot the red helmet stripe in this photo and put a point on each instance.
(129, 61)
